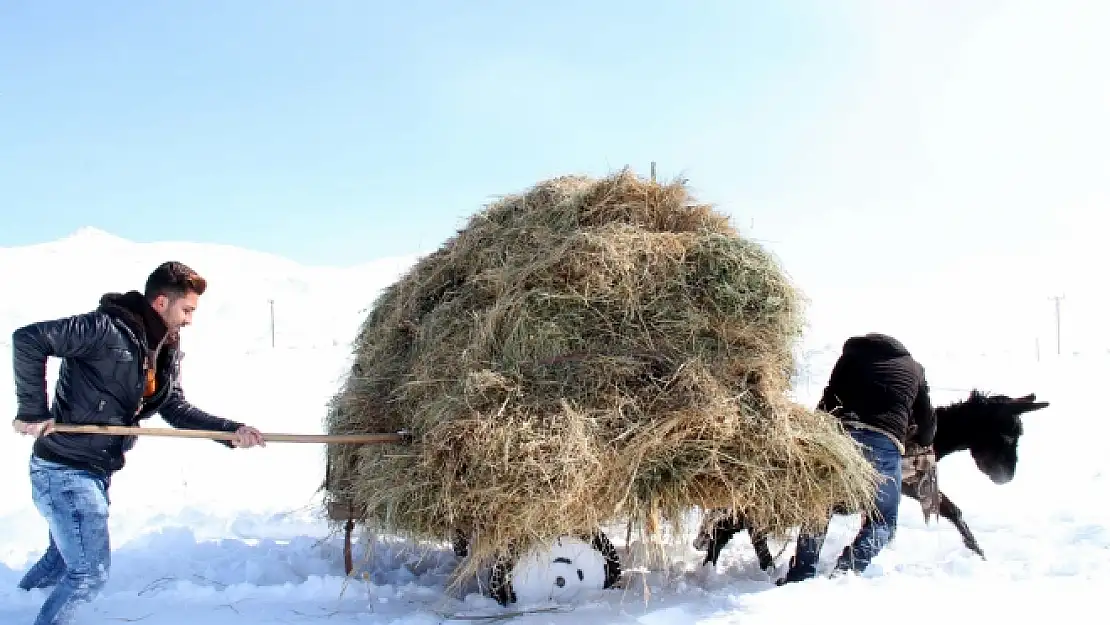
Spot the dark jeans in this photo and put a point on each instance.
(75, 505)
(876, 531)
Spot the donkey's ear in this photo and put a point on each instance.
(1034, 406)
(1028, 403)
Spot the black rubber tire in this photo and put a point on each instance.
(602, 543)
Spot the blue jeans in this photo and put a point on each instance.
(877, 530)
(75, 505)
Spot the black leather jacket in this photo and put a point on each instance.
(878, 383)
(101, 380)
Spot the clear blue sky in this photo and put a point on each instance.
(872, 143)
(337, 132)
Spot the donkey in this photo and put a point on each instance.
(989, 426)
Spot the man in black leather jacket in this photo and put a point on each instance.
(120, 364)
(878, 391)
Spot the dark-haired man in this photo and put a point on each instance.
(880, 394)
(120, 364)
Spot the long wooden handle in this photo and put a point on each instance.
(120, 430)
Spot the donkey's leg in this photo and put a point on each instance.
(720, 535)
(762, 551)
(718, 527)
(908, 491)
(950, 511)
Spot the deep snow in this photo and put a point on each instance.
(206, 534)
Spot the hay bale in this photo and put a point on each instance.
(589, 352)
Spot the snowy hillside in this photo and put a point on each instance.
(206, 534)
(313, 307)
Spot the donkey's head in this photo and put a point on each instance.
(991, 426)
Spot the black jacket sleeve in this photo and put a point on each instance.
(924, 416)
(829, 402)
(180, 413)
(79, 336)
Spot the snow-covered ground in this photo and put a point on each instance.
(204, 534)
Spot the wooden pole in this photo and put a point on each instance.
(119, 430)
(1057, 298)
(348, 559)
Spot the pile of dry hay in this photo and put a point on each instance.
(589, 352)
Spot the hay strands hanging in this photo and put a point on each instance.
(356, 439)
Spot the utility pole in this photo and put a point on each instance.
(1057, 299)
(273, 335)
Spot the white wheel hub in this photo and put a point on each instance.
(566, 569)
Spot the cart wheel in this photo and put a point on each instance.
(569, 566)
